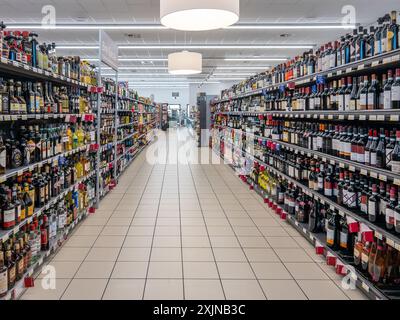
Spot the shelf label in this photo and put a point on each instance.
(394, 117)
(365, 286)
(378, 235)
(351, 116)
(375, 63)
(397, 246)
(351, 168)
(361, 67)
(363, 117)
(372, 117)
(341, 117)
(363, 172)
(396, 182)
(380, 117)
(382, 177)
(390, 242)
(373, 174)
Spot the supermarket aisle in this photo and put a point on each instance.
(187, 232)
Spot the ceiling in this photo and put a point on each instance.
(147, 12)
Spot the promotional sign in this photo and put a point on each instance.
(109, 50)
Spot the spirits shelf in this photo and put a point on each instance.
(67, 116)
(127, 124)
(24, 71)
(373, 172)
(122, 110)
(53, 160)
(19, 288)
(376, 63)
(126, 153)
(5, 234)
(107, 146)
(135, 155)
(367, 115)
(360, 280)
(127, 137)
(392, 238)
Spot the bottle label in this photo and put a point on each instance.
(3, 157)
(363, 101)
(3, 282)
(330, 237)
(9, 218)
(396, 93)
(387, 100)
(373, 158)
(395, 166)
(347, 102)
(363, 204)
(357, 253)
(364, 257)
(343, 240)
(351, 199)
(371, 208)
(397, 217)
(389, 217)
(11, 274)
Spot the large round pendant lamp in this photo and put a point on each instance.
(198, 15)
(185, 63)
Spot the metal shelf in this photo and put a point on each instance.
(392, 238)
(375, 63)
(373, 172)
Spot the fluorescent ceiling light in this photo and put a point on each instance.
(84, 27)
(195, 15)
(291, 26)
(255, 59)
(244, 68)
(173, 82)
(188, 47)
(130, 59)
(185, 63)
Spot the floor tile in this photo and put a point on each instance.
(80, 241)
(129, 270)
(200, 270)
(134, 254)
(235, 270)
(253, 242)
(166, 254)
(163, 289)
(103, 254)
(305, 271)
(95, 270)
(224, 242)
(229, 255)
(203, 289)
(63, 269)
(293, 255)
(138, 242)
(261, 255)
(85, 289)
(321, 290)
(109, 242)
(114, 231)
(165, 270)
(195, 242)
(39, 292)
(282, 242)
(282, 290)
(167, 242)
(72, 254)
(270, 270)
(124, 289)
(197, 254)
(242, 290)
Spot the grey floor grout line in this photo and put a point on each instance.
(233, 230)
(133, 217)
(208, 234)
(154, 232)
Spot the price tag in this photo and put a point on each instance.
(24, 117)
(2, 179)
(351, 117)
(351, 168)
(387, 60)
(7, 118)
(3, 60)
(341, 213)
(40, 71)
(323, 159)
(308, 116)
(305, 230)
(390, 242)
(332, 162)
(363, 172)
(322, 116)
(311, 237)
(361, 67)
(296, 223)
(26, 67)
(15, 63)
(397, 246)
(341, 165)
(341, 117)
(46, 116)
(396, 182)
(372, 117)
(365, 287)
(378, 235)
(330, 117)
(348, 70)
(315, 116)
(37, 116)
(363, 117)
(380, 117)
(14, 117)
(396, 58)
(382, 177)
(20, 173)
(373, 174)
(375, 63)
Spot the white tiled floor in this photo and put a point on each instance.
(181, 231)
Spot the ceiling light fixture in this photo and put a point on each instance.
(244, 68)
(255, 59)
(188, 47)
(291, 26)
(185, 63)
(195, 15)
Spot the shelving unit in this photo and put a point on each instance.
(141, 136)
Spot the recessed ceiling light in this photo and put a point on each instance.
(195, 15)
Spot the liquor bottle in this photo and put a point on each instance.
(393, 32)
(19, 262)
(11, 268)
(387, 91)
(358, 249)
(342, 95)
(396, 91)
(3, 276)
(390, 209)
(389, 149)
(346, 239)
(13, 100)
(373, 99)
(363, 105)
(7, 211)
(365, 256)
(3, 157)
(354, 99)
(380, 152)
(373, 204)
(395, 163)
(332, 227)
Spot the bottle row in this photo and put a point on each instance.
(23, 47)
(24, 249)
(23, 146)
(20, 196)
(348, 94)
(377, 147)
(20, 97)
(376, 260)
(366, 197)
(361, 44)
